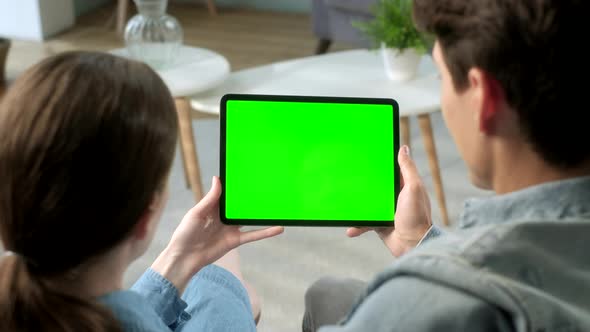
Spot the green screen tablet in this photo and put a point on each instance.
(308, 161)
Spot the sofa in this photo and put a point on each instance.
(332, 22)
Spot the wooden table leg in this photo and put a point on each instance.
(404, 128)
(427, 136)
(122, 8)
(212, 7)
(188, 146)
(184, 168)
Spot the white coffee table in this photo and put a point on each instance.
(356, 73)
(194, 70)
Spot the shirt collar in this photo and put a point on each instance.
(548, 201)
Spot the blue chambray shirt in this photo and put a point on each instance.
(519, 262)
(556, 200)
(214, 300)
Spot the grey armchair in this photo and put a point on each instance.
(331, 20)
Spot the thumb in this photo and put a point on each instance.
(407, 166)
(212, 196)
(356, 231)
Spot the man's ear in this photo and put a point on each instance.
(147, 220)
(489, 96)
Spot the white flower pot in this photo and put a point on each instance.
(400, 66)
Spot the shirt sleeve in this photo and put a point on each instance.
(163, 296)
(214, 300)
(433, 232)
(410, 304)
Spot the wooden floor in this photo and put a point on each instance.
(245, 37)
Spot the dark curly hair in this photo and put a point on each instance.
(531, 47)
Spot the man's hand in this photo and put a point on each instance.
(201, 239)
(412, 217)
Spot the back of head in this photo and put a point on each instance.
(86, 139)
(531, 47)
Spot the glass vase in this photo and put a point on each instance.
(152, 36)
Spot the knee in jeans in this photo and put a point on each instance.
(321, 288)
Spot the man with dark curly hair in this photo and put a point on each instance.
(513, 98)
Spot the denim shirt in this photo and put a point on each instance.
(518, 263)
(553, 200)
(214, 300)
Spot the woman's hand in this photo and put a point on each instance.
(201, 239)
(412, 217)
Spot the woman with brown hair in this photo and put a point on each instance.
(86, 144)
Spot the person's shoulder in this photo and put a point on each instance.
(407, 303)
(133, 312)
(501, 266)
(509, 254)
(527, 240)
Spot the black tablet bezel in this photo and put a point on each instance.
(316, 99)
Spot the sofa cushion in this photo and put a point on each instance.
(362, 7)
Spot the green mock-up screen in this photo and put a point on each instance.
(289, 160)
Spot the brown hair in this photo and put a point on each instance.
(86, 140)
(530, 48)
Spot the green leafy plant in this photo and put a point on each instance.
(393, 26)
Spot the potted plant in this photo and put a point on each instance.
(393, 30)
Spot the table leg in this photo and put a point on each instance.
(184, 168)
(212, 7)
(427, 136)
(404, 127)
(188, 146)
(122, 8)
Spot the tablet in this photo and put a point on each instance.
(308, 161)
